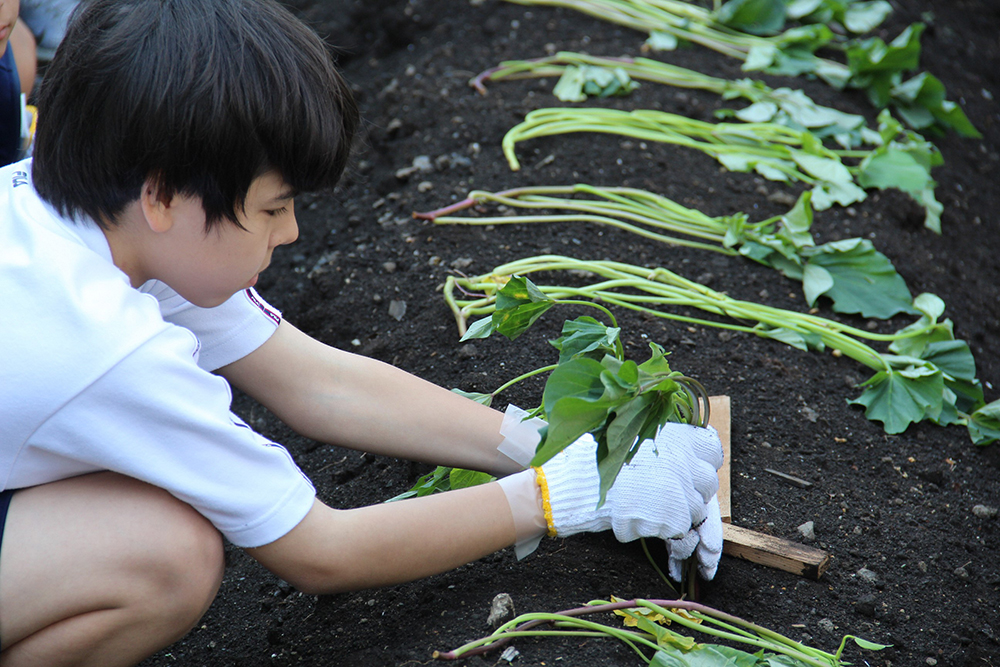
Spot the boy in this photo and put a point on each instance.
(173, 137)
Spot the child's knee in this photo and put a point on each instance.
(189, 568)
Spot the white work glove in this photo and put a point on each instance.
(667, 491)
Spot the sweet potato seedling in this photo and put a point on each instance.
(645, 631)
(851, 273)
(926, 374)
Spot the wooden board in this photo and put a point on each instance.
(719, 417)
(749, 545)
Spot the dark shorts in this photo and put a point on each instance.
(5, 497)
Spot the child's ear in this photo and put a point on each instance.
(157, 206)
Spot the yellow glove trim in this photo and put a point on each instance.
(546, 503)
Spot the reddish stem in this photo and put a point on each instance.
(447, 210)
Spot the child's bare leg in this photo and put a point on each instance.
(102, 570)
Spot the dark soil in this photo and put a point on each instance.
(897, 506)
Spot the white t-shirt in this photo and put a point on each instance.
(96, 375)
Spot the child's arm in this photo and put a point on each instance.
(667, 491)
(346, 399)
(336, 550)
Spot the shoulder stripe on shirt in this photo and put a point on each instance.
(271, 314)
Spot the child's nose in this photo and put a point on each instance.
(289, 230)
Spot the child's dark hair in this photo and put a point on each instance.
(201, 96)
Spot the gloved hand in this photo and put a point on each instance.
(667, 491)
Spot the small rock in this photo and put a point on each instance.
(867, 575)
(461, 263)
(467, 351)
(931, 661)
(423, 163)
(389, 267)
(866, 606)
(501, 609)
(827, 625)
(809, 413)
(510, 654)
(808, 531)
(781, 197)
(961, 572)
(922, 566)
(985, 512)
(397, 309)
(425, 186)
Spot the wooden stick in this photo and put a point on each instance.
(774, 552)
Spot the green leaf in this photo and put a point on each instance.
(894, 166)
(657, 362)
(758, 112)
(757, 17)
(825, 195)
(664, 637)
(799, 340)
(984, 424)
(816, 281)
(930, 305)
(899, 398)
(953, 357)
(861, 17)
(661, 41)
(433, 482)
(479, 329)
(574, 405)
(578, 377)
(585, 336)
(925, 92)
(620, 435)
(519, 291)
(569, 418)
(461, 478)
(705, 655)
(874, 55)
(795, 224)
(512, 322)
(478, 397)
(760, 57)
(858, 279)
(828, 169)
(569, 88)
(864, 643)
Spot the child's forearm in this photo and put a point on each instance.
(337, 550)
(346, 399)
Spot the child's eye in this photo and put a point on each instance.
(277, 211)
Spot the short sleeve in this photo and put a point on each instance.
(159, 418)
(227, 332)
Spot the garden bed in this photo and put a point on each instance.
(913, 564)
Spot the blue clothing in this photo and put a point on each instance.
(5, 497)
(10, 109)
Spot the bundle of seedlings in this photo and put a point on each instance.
(779, 153)
(753, 31)
(851, 273)
(645, 631)
(592, 388)
(582, 76)
(926, 374)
